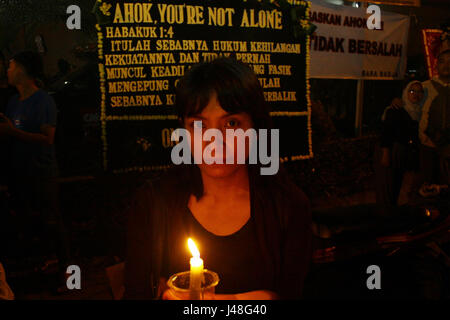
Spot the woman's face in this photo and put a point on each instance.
(16, 73)
(415, 93)
(214, 117)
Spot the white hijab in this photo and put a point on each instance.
(414, 109)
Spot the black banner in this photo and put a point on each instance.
(144, 47)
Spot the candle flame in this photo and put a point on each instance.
(193, 248)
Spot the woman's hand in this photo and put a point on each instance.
(6, 125)
(169, 294)
(397, 103)
(251, 295)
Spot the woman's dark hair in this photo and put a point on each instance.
(235, 84)
(31, 62)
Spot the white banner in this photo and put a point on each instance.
(343, 47)
(412, 3)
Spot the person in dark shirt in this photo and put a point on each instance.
(253, 230)
(438, 125)
(399, 143)
(30, 124)
(6, 92)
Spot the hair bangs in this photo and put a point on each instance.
(235, 85)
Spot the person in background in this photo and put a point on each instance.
(435, 124)
(399, 144)
(30, 124)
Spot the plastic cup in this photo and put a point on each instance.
(179, 285)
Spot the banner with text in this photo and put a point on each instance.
(144, 47)
(344, 48)
(411, 3)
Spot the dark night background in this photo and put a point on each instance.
(339, 180)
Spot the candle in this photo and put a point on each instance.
(196, 273)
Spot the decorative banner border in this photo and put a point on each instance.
(431, 41)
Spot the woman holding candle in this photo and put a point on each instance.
(252, 229)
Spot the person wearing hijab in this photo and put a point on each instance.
(434, 125)
(399, 144)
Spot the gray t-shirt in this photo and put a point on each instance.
(32, 159)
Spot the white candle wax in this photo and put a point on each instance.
(196, 272)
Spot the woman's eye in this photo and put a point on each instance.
(232, 123)
(196, 124)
